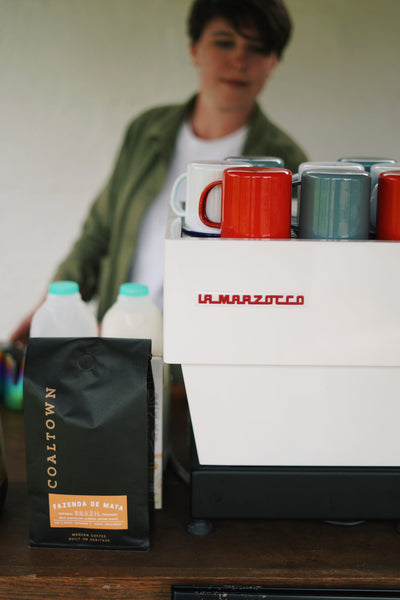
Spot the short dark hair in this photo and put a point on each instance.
(269, 17)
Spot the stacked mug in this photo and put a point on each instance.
(247, 197)
(256, 203)
(376, 171)
(251, 198)
(333, 200)
(388, 206)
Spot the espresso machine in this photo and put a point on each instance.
(290, 352)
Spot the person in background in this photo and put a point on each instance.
(235, 45)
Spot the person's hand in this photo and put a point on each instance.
(21, 334)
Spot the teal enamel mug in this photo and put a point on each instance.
(257, 161)
(335, 205)
(366, 161)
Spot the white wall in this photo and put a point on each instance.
(74, 72)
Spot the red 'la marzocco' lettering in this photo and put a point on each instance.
(261, 299)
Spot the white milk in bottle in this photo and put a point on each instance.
(63, 314)
(133, 315)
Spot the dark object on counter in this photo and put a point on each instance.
(8, 353)
(3, 471)
(12, 357)
(89, 429)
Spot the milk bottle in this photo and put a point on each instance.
(63, 314)
(133, 315)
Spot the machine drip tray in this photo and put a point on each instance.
(345, 494)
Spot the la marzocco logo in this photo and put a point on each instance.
(260, 299)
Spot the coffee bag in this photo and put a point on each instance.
(89, 423)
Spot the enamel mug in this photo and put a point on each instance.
(376, 170)
(317, 166)
(255, 203)
(388, 206)
(366, 161)
(186, 205)
(335, 205)
(257, 161)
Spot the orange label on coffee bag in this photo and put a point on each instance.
(88, 512)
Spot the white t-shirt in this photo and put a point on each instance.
(148, 264)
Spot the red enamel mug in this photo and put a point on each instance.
(388, 206)
(255, 203)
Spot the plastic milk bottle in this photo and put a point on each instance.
(64, 314)
(133, 315)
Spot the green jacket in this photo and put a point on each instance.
(101, 258)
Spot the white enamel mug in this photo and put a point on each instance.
(197, 176)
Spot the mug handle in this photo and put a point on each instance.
(373, 207)
(202, 205)
(296, 179)
(176, 205)
(296, 183)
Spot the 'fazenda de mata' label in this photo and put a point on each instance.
(88, 512)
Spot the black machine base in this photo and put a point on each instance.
(336, 494)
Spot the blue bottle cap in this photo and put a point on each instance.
(133, 289)
(63, 288)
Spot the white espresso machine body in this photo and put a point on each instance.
(290, 349)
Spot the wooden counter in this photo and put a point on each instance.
(288, 554)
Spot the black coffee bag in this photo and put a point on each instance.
(88, 405)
